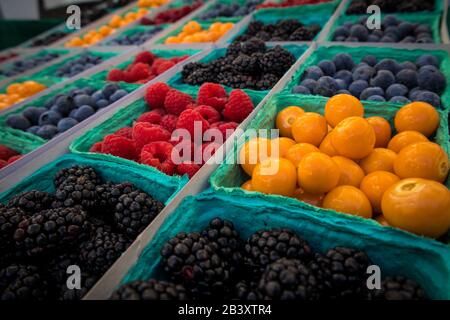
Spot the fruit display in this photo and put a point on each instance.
(193, 32)
(18, 91)
(75, 66)
(145, 67)
(48, 39)
(134, 38)
(272, 264)
(246, 65)
(360, 166)
(375, 79)
(392, 30)
(96, 35)
(150, 138)
(230, 10)
(63, 111)
(87, 222)
(360, 6)
(283, 30)
(171, 14)
(288, 3)
(20, 66)
(8, 156)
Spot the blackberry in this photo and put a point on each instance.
(22, 282)
(194, 261)
(263, 36)
(246, 291)
(191, 67)
(341, 273)
(267, 246)
(80, 193)
(150, 290)
(252, 46)
(87, 282)
(51, 230)
(301, 34)
(254, 27)
(10, 218)
(71, 175)
(277, 61)
(57, 267)
(134, 211)
(288, 279)
(398, 288)
(109, 193)
(267, 81)
(245, 64)
(31, 201)
(100, 252)
(199, 77)
(287, 27)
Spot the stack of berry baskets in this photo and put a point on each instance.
(168, 131)
(97, 226)
(144, 66)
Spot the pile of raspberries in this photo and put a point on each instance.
(7, 156)
(145, 67)
(289, 3)
(171, 15)
(149, 140)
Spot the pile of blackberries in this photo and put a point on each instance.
(63, 111)
(86, 223)
(134, 39)
(392, 30)
(373, 80)
(246, 65)
(21, 66)
(283, 30)
(273, 264)
(75, 66)
(390, 6)
(233, 9)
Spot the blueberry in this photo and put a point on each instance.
(388, 64)
(33, 114)
(326, 86)
(341, 32)
(425, 40)
(47, 131)
(64, 104)
(383, 79)
(49, 117)
(84, 99)
(422, 28)
(432, 80)
(109, 89)
(345, 75)
(427, 59)
(414, 93)
(328, 67)
(309, 83)
(363, 73)
(428, 67)
(359, 32)
(429, 97)
(88, 90)
(102, 103)
(393, 32)
(407, 77)
(19, 122)
(408, 65)
(83, 113)
(314, 73)
(301, 90)
(343, 61)
(405, 29)
(66, 123)
(343, 91)
(357, 87)
(408, 40)
(119, 94)
(396, 90)
(370, 60)
(340, 39)
(98, 95)
(351, 39)
(342, 85)
(376, 98)
(400, 99)
(72, 113)
(389, 21)
(33, 129)
(372, 91)
(373, 38)
(388, 39)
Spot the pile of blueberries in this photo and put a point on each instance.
(389, 6)
(373, 80)
(392, 30)
(20, 66)
(233, 9)
(63, 111)
(80, 64)
(134, 39)
(48, 39)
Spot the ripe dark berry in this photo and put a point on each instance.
(150, 290)
(22, 282)
(32, 201)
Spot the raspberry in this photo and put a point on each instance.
(153, 116)
(179, 59)
(164, 66)
(176, 101)
(115, 75)
(156, 95)
(156, 64)
(187, 119)
(238, 107)
(124, 132)
(3, 163)
(159, 155)
(209, 113)
(169, 122)
(144, 133)
(6, 153)
(213, 95)
(145, 57)
(14, 158)
(188, 167)
(119, 146)
(226, 128)
(209, 149)
(97, 147)
(139, 71)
